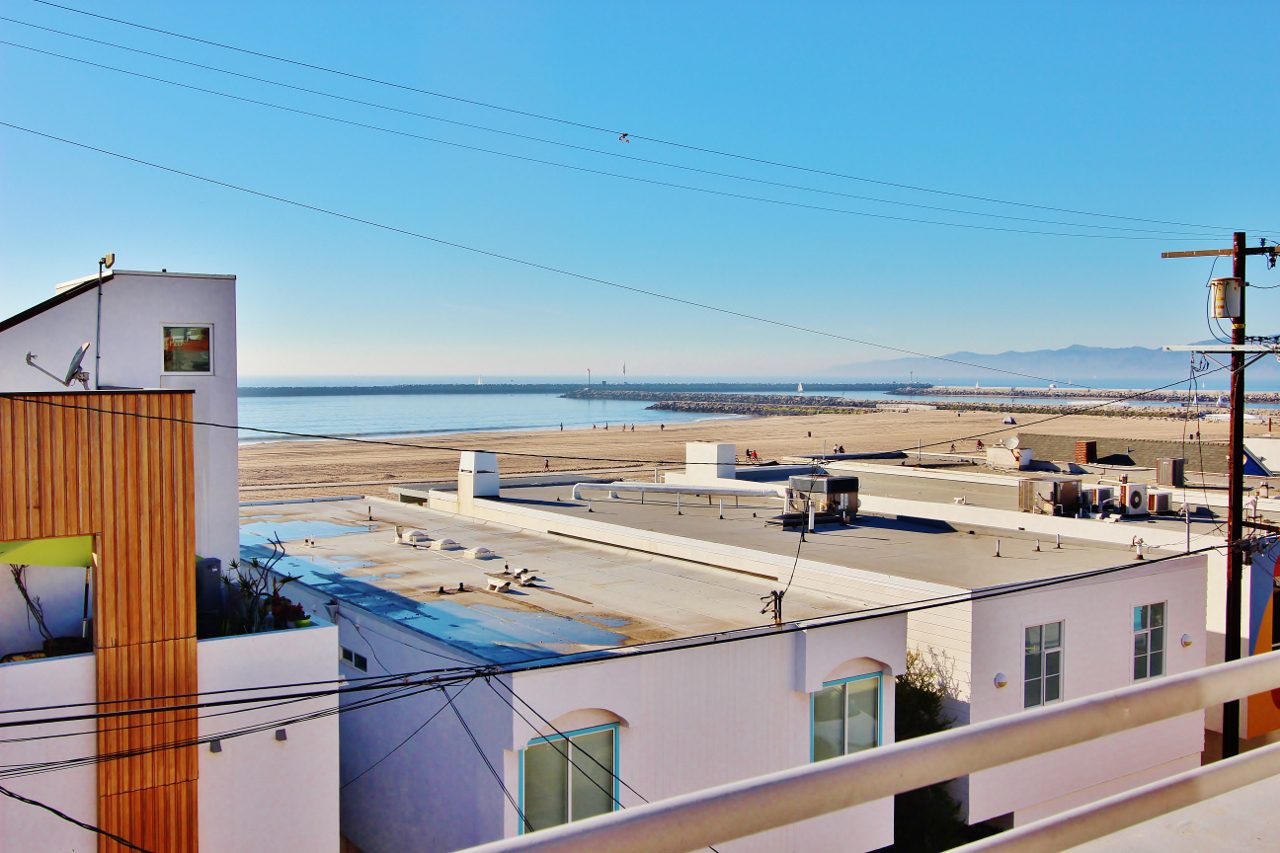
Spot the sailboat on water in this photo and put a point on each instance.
(799, 387)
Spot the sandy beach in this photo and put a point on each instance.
(294, 469)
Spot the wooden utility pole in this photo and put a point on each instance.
(1235, 476)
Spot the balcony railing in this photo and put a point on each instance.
(714, 815)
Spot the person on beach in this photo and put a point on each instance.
(562, 427)
(661, 427)
(546, 464)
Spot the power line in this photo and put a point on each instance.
(35, 399)
(69, 819)
(166, 697)
(390, 682)
(397, 747)
(391, 694)
(683, 644)
(1073, 411)
(196, 706)
(613, 131)
(564, 753)
(562, 735)
(480, 752)
(527, 263)
(587, 170)
(693, 641)
(528, 137)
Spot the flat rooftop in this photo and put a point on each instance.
(588, 597)
(915, 549)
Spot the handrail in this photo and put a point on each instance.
(1094, 820)
(714, 815)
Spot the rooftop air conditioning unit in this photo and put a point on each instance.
(1133, 499)
(1159, 502)
(1093, 497)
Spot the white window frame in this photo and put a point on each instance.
(1147, 631)
(842, 682)
(1059, 651)
(213, 344)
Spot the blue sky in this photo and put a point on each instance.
(1160, 111)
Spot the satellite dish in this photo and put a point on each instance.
(73, 370)
(1012, 442)
(74, 373)
(108, 260)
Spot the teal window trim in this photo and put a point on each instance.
(879, 676)
(617, 766)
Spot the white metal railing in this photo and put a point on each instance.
(714, 815)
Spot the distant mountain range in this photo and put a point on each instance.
(1076, 363)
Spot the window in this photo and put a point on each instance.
(359, 661)
(188, 349)
(1275, 613)
(1148, 641)
(569, 778)
(1042, 665)
(845, 717)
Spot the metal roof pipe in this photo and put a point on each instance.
(679, 489)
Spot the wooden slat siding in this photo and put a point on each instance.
(129, 482)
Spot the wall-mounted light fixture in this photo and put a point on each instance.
(1186, 641)
(281, 734)
(215, 745)
(1001, 680)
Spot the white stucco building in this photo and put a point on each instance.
(252, 772)
(147, 330)
(993, 621)
(613, 678)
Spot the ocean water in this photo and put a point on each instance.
(427, 414)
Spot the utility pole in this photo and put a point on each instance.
(1239, 252)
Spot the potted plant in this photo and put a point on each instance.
(53, 646)
(294, 615)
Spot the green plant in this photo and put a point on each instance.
(926, 819)
(35, 610)
(255, 591)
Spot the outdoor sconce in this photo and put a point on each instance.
(215, 745)
(1186, 641)
(1001, 680)
(281, 734)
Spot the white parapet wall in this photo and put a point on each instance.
(256, 793)
(72, 790)
(260, 792)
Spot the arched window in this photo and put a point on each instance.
(569, 776)
(845, 716)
